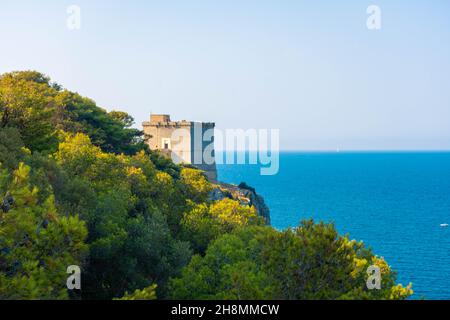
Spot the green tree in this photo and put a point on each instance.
(77, 180)
(112, 131)
(165, 164)
(195, 185)
(26, 103)
(309, 262)
(205, 222)
(38, 108)
(131, 245)
(36, 243)
(148, 293)
(11, 148)
(314, 262)
(228, 270)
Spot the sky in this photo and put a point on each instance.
(311, 69)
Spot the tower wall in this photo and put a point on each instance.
(185, 145)
(200, 149)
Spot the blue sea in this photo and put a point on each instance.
(394, 202)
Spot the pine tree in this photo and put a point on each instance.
(36, 243)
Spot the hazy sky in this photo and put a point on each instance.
(309, 68)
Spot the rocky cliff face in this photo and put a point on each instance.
(243, 193)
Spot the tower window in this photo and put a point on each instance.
(166, 144)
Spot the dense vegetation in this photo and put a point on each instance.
(79, 187)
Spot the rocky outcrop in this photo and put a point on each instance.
(243, 193)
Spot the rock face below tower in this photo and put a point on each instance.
(185, 142)
(246, 195)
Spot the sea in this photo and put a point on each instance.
(396, 202)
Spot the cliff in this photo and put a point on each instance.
(243, 193)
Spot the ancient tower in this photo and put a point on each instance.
(185, 142)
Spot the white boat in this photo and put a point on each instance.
(444, 225)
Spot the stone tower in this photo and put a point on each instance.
(185, 142)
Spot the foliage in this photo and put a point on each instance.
(38, 108)
(128, 234)
(165, 164)
(197, 187)
(228, 270)
(206, 222)
(245, 186)
(26, 103)
(78, 186)
(110, 131)
(11, 147)
(36, 243)
(148, 293)
(309, 262)
(314, 262)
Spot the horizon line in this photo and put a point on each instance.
(346, 151)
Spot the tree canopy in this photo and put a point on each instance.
(306, 263)
(79, 187)
(39, 108)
